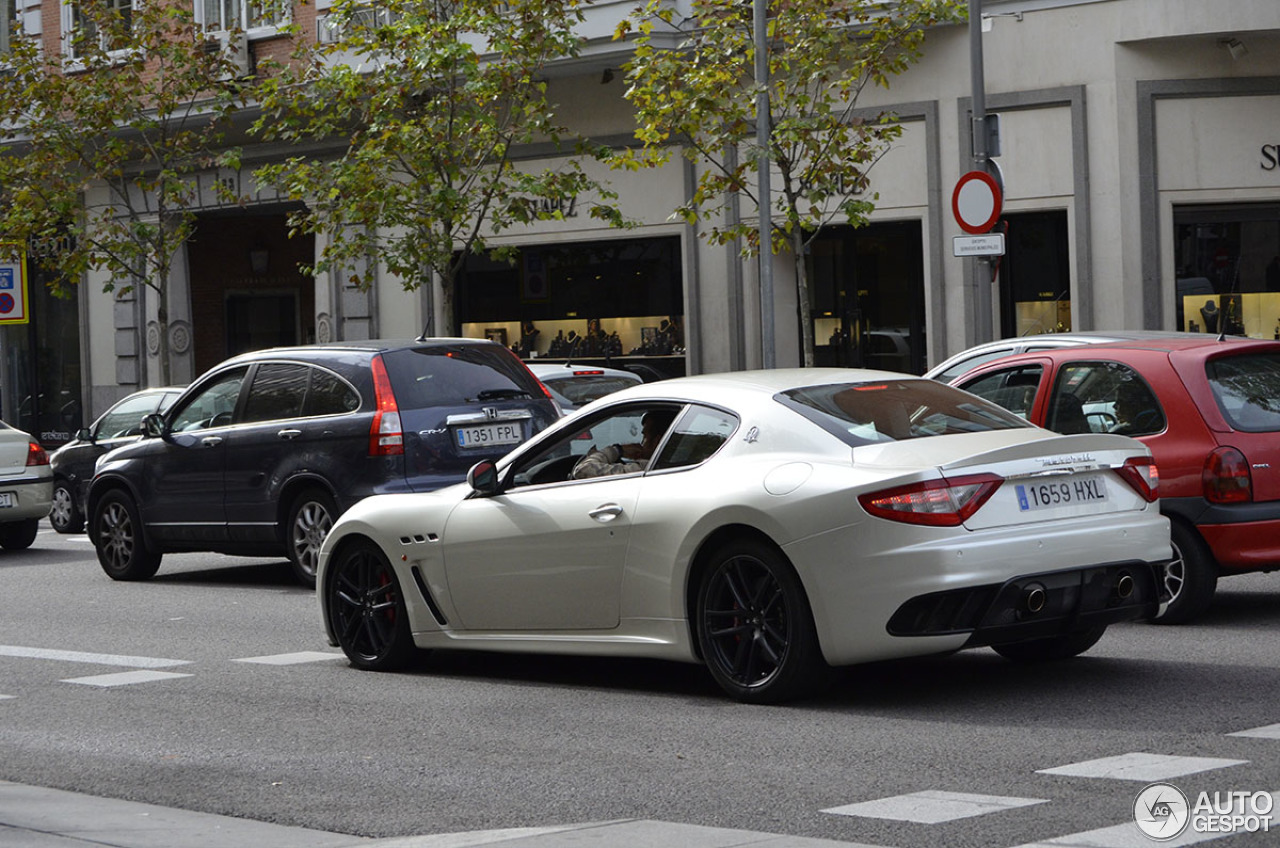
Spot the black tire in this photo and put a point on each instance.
(65, 517)
(366, 610)
(755, 628)
(1053, 648)
(19, 535)
(310, 519)
(1188, 581)
(117, 537)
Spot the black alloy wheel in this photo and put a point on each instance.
(310, 519)
(19, 535)
(1189, 580)
(65, 516)
(117, 537)
(1053, 647)
(366, 609)
(755, 628)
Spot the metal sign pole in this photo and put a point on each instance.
(760, 21)
(982, 301)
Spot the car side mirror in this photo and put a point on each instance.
(483, 478)
(153, 424)
(84, 434)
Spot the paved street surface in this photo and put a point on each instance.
(204, 709)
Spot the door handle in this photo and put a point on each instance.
(605, 512)
(289, 435)
(211, 441)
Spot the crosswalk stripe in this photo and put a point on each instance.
(125, 678)
(94, 659)
(1141, 766)
(1270, 731)
(933, 807)
(293, 659)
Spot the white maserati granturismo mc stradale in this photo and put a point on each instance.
(768, 524)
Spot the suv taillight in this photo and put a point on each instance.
(1226, 477)
(385, 435)
(1143, 475)
(36, 455)
(938, 503)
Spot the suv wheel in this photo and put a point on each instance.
(65, 516)
(19, 535)
(117, 537)
(310, 519)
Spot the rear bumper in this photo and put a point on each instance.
(31, 497)
(1242, 537)
(1033, 606)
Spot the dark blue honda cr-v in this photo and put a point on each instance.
(261, 454)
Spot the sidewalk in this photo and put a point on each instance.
(32, 817)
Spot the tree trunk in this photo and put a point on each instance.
(804, 304)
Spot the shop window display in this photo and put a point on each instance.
(606, 300)
(1228, 270)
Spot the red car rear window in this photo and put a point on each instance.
(1247, 389)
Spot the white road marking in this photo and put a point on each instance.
(125, 678)
(1271, 731)
(94, 659)
(293, 659)
(933, 807)
(1141, 766)
(5, 697)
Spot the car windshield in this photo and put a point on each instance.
(457, 374)
(894, 410)
(582, 390)
(1247, 389)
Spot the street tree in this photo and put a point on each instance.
(693, 85)
(104, 142)
(426, 105)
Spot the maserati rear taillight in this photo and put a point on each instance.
(386, 438)
(944, 502)
(1226, 477)
(1143, 475)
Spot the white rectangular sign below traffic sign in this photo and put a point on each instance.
(991, 244)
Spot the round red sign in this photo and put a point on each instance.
(976, 202)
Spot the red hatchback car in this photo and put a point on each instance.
(1208, 408)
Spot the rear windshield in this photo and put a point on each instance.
(1247, 389)
(894, 410)
(583, 390)
(457, 375)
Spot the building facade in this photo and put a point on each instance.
(1140, 162)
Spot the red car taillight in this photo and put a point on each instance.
(385, 435)
(36, 455)
(945, 502)
(1226, 477)
(1143, 475)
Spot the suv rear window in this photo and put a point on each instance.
(1247, 389)
(457, 374)
(894, 410)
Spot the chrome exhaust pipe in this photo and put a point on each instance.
(1124, 586)
(1033, 599)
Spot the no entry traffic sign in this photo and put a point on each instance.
(976, 202)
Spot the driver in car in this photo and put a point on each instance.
(628, 458)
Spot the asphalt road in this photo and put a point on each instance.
(256, 716)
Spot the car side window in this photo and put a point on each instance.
(329, 395)
(697, 436)
(277, 392)
(213, 406)
(556, 463)
(1103, 397)
(125, 418)
(1014, 389)
(972, 362)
